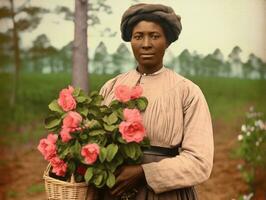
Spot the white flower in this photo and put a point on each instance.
(248, 197)
(252, 128)
(257, 143)
(259, 123)
(248, 133)
(243, 128)
(240, 137)
(239, 167)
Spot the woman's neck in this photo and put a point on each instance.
(148, 69)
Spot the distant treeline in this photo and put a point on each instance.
(44, 58)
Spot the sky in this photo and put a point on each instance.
(207, 25)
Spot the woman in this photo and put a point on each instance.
(177, 118)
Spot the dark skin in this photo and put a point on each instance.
(148, 43)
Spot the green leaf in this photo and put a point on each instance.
(81, 99)
(64, 153)
(111, 119)
(71, 167)
(98, 180)
(145, 142)
(109, 128)
(142, 103)
(130, 150)
(111, 151)
(114, 103)
(94, 93)
(94, 111)
(83, 110)
(94, 124)
(75, 149)
(121, 140)
(76, 92)
(131, 104)
(51, 122)
(110, 180)
(83, 136)
(103, 154)
(97, 132)
(88, 174)
(53, 106)
(97, 100)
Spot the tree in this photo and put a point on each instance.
(122, 59)
(24, 17)
(80, 49)
(5, 51)
(235, 62)
(101, 59)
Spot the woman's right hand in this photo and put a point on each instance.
(127, 177)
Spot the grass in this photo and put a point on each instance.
(36, 188)
(228, 99)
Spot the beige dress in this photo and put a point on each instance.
(177, 114)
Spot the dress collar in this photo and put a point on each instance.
(152, 74)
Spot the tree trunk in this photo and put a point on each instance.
(80, 50)
(16, 58)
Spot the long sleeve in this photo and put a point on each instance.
(194, 164)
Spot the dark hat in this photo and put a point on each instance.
(165, 15)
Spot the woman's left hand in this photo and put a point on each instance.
(127, 177)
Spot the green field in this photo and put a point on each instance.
(228, 98)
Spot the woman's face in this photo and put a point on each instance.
(148, 43)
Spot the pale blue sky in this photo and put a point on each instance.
(207, 24)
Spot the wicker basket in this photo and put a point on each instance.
(62, 190)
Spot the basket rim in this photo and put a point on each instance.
(46, 177)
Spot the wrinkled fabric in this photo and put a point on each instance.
(141, 11)
(146, 193)
(177, 115)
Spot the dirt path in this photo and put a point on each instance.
(24, 180)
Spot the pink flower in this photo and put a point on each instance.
(132, 131)
(122, 93)
(47, 146)
(72, 121)
(132, 115)
(66, 100)
(65, 135)
(90, 152)
(136, 92)
(59, 166)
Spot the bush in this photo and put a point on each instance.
(252, 146)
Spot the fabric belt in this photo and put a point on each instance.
(161, 151)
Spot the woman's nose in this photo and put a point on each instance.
(146, 43)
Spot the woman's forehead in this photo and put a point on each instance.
(147, 26)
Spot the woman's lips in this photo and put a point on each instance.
(146, 55)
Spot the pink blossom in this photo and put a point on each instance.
(59, 166)
(132, 131)
(65, 135)
(136, 92)
(132, 115)
(90, 152)
(47, 146)
(66, 100)
(72, 121)
(122, 93)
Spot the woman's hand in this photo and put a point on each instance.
(127, 177)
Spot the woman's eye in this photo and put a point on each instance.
(137, 37)
(155, 37)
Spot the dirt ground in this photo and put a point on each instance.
(21, 171)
